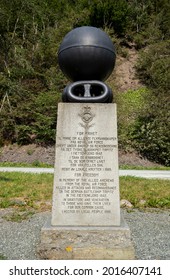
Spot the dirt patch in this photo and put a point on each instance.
(134, 159)
(125, 72)
(37, 154)
(27, 154)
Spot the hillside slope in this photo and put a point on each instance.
(125, 73)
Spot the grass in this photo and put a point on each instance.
(155, 192)
(31, 193)
(41, 164)
(27, 187)
(25, 193)
(136, 167)
(2, 257)
(36, 163)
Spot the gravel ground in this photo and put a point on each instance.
(150, 234)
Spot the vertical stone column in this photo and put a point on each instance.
(86, 209)
(86, 183)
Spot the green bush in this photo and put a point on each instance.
(151, 138)
(45, 117)
(130, 105)
(113, 14)
(151, 132)
(24, 133)
(153, 67)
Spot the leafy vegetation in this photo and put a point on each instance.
(131, 104)
(31, 81)
(151, 131)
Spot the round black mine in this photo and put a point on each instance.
(86, 53)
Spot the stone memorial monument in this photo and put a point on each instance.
(86, 221)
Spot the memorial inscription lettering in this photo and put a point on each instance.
(86, 183)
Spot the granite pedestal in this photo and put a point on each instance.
(85, 221)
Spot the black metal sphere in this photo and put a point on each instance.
(87, 53)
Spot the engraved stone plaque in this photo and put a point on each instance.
(86, 181)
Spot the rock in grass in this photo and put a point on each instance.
(125, 203)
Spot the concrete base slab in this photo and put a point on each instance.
(86, 243)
